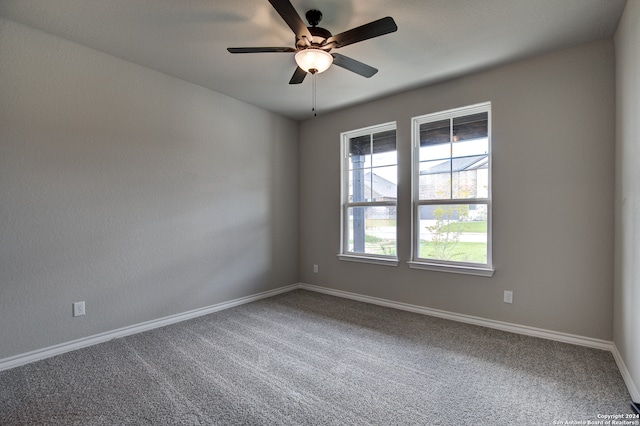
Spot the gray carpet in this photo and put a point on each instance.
(308, 358)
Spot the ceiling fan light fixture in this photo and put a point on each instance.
(314, 61)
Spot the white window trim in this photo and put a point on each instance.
(344, 194)
(373, 259)
(416, 262)
(457, 269)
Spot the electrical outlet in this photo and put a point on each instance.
(315, 268)
(508, 296)
(78, 309)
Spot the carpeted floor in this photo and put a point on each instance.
(307, 358)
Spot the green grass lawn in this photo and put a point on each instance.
(372, 239)
(377, 223)
(465, 227)
(377, 245)
(462, 252)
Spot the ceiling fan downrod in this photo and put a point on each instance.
(314, 16)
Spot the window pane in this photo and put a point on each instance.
(435, 152)
(386, 158)
(384, 148)
(464, 184)
(470, 183)
(470, 148)
(384, 183)
(435, 180)
(482, 181)
(474, 126)
(435, 187)
(372, 230)
(373, 172)
(360, 152)
(435, 132)
(435, 167)
(359, 185)
(456, 233)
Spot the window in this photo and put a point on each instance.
(451, 181)
(369, 195)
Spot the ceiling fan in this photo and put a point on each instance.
(314, 43)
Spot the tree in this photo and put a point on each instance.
(445, 232)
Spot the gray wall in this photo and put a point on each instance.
(627, 202)
(141, 194)
(553, 186)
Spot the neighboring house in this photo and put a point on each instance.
(377, 188)
(469, 175)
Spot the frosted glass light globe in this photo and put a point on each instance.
(314, 59)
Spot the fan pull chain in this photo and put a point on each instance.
(313, 92)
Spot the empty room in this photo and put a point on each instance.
(286, 212)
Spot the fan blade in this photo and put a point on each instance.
(291, 17)
(259, 49)
(298, 76)
(364, 32)
(353, 65)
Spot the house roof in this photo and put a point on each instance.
(458, 164)
(382, 188)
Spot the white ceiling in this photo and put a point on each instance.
(436, 40)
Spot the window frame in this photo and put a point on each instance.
(417, 262)
(344, 254)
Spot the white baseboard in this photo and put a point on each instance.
(499, 325)
(18, 360)
(628, 380)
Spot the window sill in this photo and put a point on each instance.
(467, 270)
(369, 259)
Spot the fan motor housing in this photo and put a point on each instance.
(319, 36)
